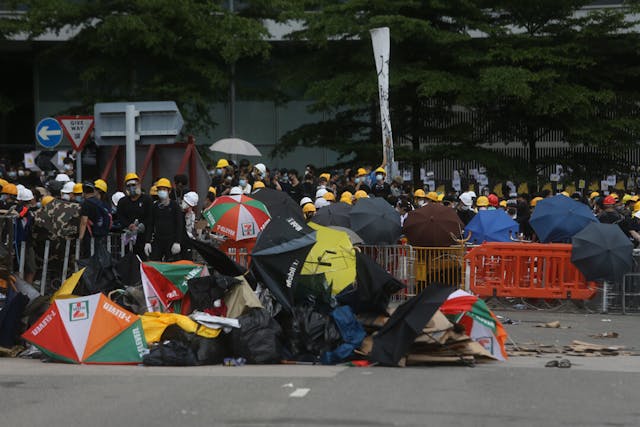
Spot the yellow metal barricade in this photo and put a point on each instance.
(439, 265)
(398, 260)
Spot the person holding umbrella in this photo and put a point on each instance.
(166, 229)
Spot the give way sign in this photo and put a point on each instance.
(77, 129)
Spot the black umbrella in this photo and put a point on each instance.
(278, 203)
(376, 221)
(334, 214)
(279, 253)
(395, 338)
(374, 289)
(602, 252)
(221, 263)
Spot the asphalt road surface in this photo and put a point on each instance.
(522, 392)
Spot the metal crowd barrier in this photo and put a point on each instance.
(398, 260)
(444, 265)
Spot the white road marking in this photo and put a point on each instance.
(300, 392)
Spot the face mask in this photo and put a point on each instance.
(68, 167)
(357, 180)
(212, 172)
(229, 178)
(379, 177)
(218, 172)
(242, 183)
(3, 197)
(20, 173)
(79, 199)
(12, 174)
(133, 190)
(38, 205)
(66, 196)
(184, 205)
(163, 194)
(421, 203)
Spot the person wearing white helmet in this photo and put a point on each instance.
(465, 207)
(23, 226)
(63, 177)
(188, 205)
(320, 200)
(305, 200)
(67, 190)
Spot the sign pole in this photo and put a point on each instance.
(78, 166)
(130, 137)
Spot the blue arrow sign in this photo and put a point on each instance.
(49, 132)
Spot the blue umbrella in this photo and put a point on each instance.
(559, 218)
(491, 226)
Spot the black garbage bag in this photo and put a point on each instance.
(259, 339)
(313, 291)
(128, 270)
(10, 316)
(310, 333)
(100, 275)
(170, 353)
(205, 290)
(180, 348)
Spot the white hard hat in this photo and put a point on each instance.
(262, 168)
(68, 187)
(24, 194)
(320, 193)
(116, 197)
(63, 177)
(305, 200)
(321, 202)
(235, 191)
(191, 198)
(466, 198)
(473, 194)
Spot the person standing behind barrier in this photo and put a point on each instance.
(165, 232)
(465, 208)
(23, 226)
(95, 222)
(134, 212)
(8, 196)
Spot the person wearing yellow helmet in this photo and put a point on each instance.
(95, 221)
(134, 212)
(101, 188)
(381, 188)
(420, 198)
(309, 211)
(346, 197)
(360, 194)
(482, 203)
(166, 229)
(77, 192)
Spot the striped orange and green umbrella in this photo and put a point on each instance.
(238, 217)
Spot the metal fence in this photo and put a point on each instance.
(444, 265)
(398, 260)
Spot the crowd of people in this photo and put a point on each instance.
(157, 223)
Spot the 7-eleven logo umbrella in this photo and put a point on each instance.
(238, 217)
(165, 283)
(89, 329)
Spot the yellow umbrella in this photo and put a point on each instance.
(68, 286)
(333, 255)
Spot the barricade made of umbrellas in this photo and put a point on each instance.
(309, 297)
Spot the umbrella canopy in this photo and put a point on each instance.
(279, 255)
(559, 218)
(279, 203)
(235, 146)
(334, 214)
(333, 255)
(165, 283)
(89, 329)
(373, 290)
(432, 225)
(237, 217)
(479, 322)
(393, 341)
(353, 236)
(376, 221)
(491, 226)
(602, 252)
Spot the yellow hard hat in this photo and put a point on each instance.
(615, 195)
(46, 200)
(503, 203)
(153, 191)
(131, 175)
(482, 201)
(329, 196)
(163, 182)
(361, 172)
(626, 198)
(564, 193)
(361, 194)
(594, 195)
(346, 197)
(212, 190)
(258, 184)
(432, 195)
(381, 170)
(419, 193)
(222, 163)
(635, 198)
(326, 176)
(77, 188)
(308, 208)
(100, 185)
(440, 197)
(534, 201)
(10, 188)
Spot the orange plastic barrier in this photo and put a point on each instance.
(527, 270)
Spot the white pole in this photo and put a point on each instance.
(130, 128)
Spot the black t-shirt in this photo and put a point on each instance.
(130, 210)
(89, 209)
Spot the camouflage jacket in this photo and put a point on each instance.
(59, 219)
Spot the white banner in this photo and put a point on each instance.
(380, 40)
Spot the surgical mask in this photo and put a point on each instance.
(133, 190)
(66, 196)
(379, 177)
(218, 172)
(421, 203)
(20, 173)
(3, 197)
(79, 199)
(163, 194)
(357, 180)
(184, 205)
(212, 172)
(38, 205)
(68, 166)
(12, 174)
(228, 178)
(242, 182)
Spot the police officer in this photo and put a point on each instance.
(165, 232)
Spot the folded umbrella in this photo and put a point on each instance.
(393, 341)
(602, 252)
(376, 221)
(334, 214)
(278, 203)
(432, 225)
(491, 226)
(559, 218)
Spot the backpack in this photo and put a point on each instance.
(101, 226)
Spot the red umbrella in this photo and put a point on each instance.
(432, 225)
